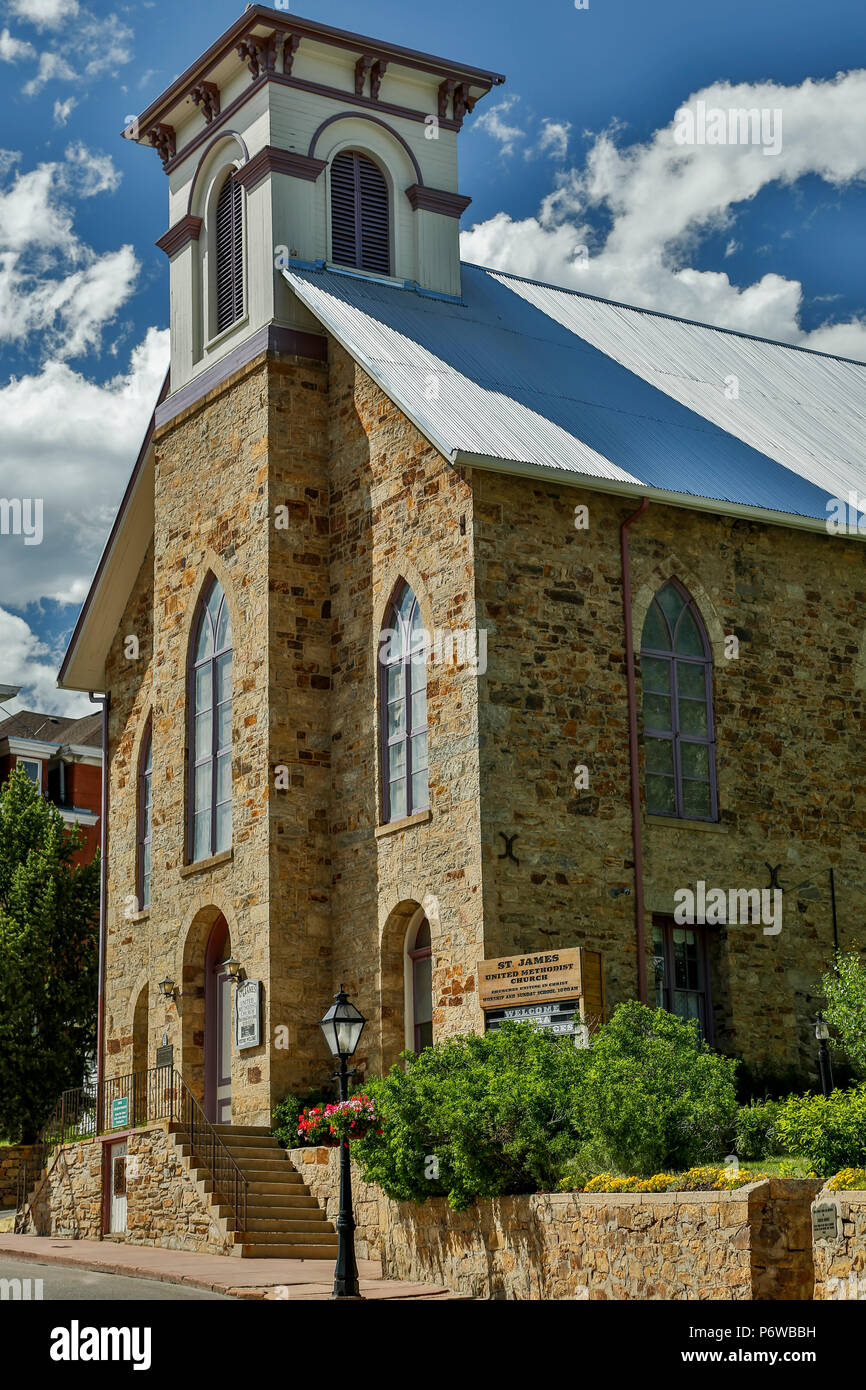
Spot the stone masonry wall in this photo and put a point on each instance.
(11, 1157)
(789, 712)
(754, 1243)
(399, 511)
(320, 1169)
(166, 1204)
(210, 518)
(840, 1264)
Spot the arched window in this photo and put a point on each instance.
(403, 703)
(676, 670)
(145, 817)
(229, 250)
(421, 961)
(360, 225)
(210, 793)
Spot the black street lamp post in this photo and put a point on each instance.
(822, 1033)
(342, 1027)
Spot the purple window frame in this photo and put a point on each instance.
(420, 953)
(395, 621)
(675, 735)
(667, 987)
(216, 752)
(145, 818)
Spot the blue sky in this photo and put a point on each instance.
(575, 151)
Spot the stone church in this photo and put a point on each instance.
(450, 617)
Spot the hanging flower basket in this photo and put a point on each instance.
(331, 1124)
(314, 1127)
(353, 1119)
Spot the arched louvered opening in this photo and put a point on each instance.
(360, 225)
(229, 254)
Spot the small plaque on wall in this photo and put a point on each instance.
(165, 1056)
(825, 1221)
(248, 1014)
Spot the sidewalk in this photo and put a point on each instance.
(266, 1279)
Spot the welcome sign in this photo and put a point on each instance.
(544, 976)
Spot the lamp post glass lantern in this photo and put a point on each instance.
(342, 1026)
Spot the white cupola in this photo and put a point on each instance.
(289, 141)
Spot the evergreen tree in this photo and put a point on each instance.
(49, 934)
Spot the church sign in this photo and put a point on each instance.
(543, 977)
(560, 991)
(248, 1014)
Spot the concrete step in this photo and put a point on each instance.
(255, 1251)
(256, 1163)
(260, 1153)
(255, 1141)
(261, 1196)
(284, 1225)
(274, 1211)
(279, 1238)
(223, 1130)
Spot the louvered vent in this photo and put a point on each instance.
(360, 231)
(229, 255)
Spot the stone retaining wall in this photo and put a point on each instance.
(754, 1243)
(840, 1263)
(320, 1169)
(11, 1156)
(166, 1204)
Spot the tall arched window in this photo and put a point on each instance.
(403, 703)
(421, 987)
(229, 250)
(676, 670)
(360, 225)
(210, 794)
(145, 817)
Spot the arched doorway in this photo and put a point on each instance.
(218, 1026)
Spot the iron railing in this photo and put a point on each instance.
(134, 1100)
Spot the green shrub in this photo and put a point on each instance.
(757, 1134)
(654, 1096)
(284, 1116)
(844, 988)
(475, 1116)
(830, 1134)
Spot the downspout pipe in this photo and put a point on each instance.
(634, 763)
(105, 701)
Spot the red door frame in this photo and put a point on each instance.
(213, 960)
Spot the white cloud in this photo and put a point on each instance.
(552, 139)
(63, 110)
(494, 124)
(72, 443)
(81, 45)
(12, 50)
(45, 14)
(664, 198)
(27, 661)
(53, 288)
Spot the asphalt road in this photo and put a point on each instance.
(60, 1283)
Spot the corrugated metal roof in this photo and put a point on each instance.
(528, 373)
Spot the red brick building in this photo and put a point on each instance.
(63, 757)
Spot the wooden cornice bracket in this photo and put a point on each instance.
(362, 67)
(164, 140)
(260, 52)
(377, 72)
(291, 43)
(207, 96)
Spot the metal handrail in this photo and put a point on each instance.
(133, 1100)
